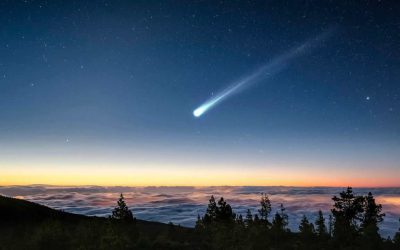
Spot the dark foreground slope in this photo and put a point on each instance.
(27, 225)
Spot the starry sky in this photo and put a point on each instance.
(103, 92)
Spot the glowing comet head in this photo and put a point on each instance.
(207, 105)
(199, 111)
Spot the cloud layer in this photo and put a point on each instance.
(181, 205)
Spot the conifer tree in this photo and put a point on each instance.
(372, 216)
(306, 228)
(199, 223)
(347, 212)
(265, 209)
(211, 213)
(121, 211)
(249, 218)
(320, 224)
(240, 221)
(256, 219)
(224, 211)
(280, 220)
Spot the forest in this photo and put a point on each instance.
(352, 224)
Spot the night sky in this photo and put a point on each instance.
(103, 92)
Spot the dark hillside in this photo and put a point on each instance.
(27, 225)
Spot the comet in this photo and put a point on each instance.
(263, 73)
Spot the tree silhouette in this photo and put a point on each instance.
(121, 211)
(249, 218)
(265, 209)
(240, 221)
(220, 212)
(351, 217)
(306, 228)
(372, 216)
(320, 224)
(280, 220)
(256, 219)
(278, 231)
(199, 223)
(330, 225)
(347, 212)
(224, 211)
(211, 213)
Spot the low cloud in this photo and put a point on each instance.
(181, 205)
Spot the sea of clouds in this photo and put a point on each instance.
(181, 205)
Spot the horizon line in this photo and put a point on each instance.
(144, 186)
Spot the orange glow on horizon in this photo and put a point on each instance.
(187, 177)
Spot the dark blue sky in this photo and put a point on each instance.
(124, 76)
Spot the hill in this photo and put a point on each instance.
(27, 225)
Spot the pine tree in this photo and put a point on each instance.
(265, 208)
(224, 211)
(372, 216)
(320, 224)
(330, 223)
(306, 228)
(249, 218)
(211, 213)
(347, 212)
(240, 221)
(280, 220)
(199, 223)
(121, 211)
(256, 219)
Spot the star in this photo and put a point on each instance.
(367, 98)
